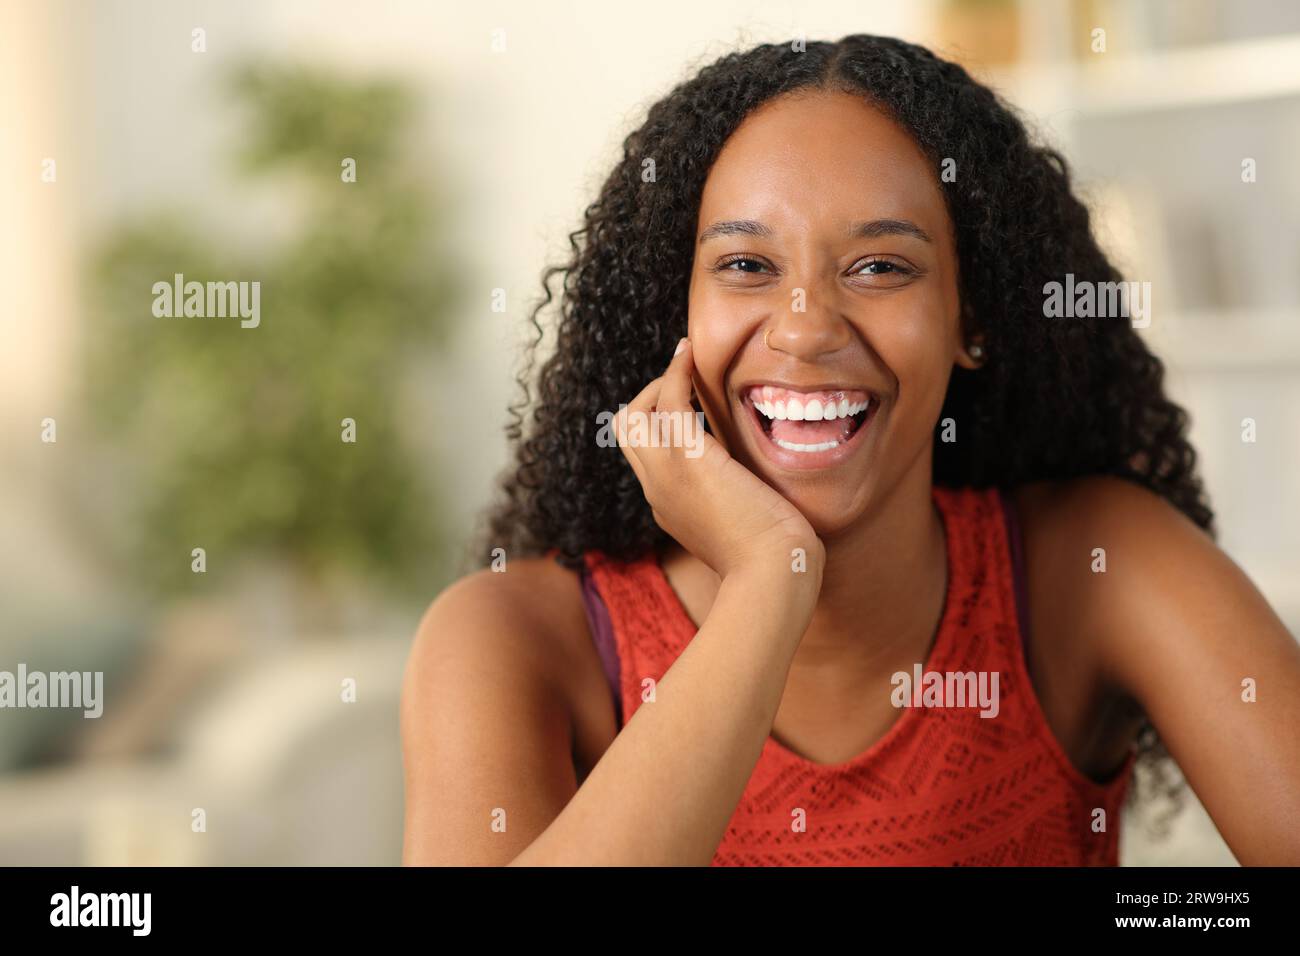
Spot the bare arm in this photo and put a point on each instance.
(486, 722)
(1184, 631)
(486, 725)
(665, 790)
(486, 734)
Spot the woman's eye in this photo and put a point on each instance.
(742, 265)
(880, 267)
(749, 265)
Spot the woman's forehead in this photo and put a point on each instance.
(820, 157)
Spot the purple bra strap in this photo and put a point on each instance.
(602, 633)
(1017, 567)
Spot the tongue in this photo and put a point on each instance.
(812, 433)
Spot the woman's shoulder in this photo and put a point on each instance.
(510, 649)
(522, 630)
(1093, 502)
(1094, 538)
(530, 606)
(1097, 538)
(498, 691)
(1084, 540)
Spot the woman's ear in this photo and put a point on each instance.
(972, 353)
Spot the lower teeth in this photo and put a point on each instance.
(795, 446)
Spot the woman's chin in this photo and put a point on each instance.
(828, 514)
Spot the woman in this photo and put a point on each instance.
(941, 567)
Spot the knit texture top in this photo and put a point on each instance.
(947, 784)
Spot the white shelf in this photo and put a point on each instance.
(1227, 341)
(1192, 77)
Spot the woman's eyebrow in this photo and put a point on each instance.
(875, 228)
(870, 229)
(736, 227)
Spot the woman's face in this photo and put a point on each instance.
(823, 228)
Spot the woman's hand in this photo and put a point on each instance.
(714, 506)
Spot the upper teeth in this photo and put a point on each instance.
(813, 411)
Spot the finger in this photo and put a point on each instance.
(626, 447)
(646, 398)
(675, 395)
(679, 396)
(680, 426)
(633, 415)
(641, 423)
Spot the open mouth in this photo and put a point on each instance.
(809, 422)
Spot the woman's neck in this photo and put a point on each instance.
(884, 584)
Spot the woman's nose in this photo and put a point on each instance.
(808, 323)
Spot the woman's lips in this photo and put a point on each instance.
(808, 429)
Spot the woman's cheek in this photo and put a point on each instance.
(717, 337)
(916, 349)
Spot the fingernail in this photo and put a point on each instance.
(680, 345)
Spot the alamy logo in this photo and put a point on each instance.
(213, 300)
(653, 429)
(1087, 300)
(84, 689)
(946, 689)
(102, 909)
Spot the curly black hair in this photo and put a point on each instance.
(1055, 398)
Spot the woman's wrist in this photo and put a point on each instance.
(788, 580)
(802, 560)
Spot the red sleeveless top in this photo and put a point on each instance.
(944, 785)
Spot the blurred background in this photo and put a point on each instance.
(257, 680)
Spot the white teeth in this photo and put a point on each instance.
(795, 446)
(814, 411)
